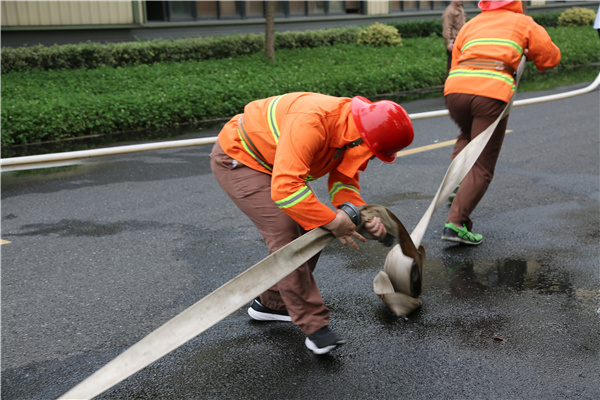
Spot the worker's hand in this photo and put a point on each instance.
(449, 47)
(526, 54)
(375, 227)
(344, 229)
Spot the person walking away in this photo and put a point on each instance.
(481, 82)
(453, 19)
(265, 158)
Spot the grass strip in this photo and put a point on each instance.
(41, 106)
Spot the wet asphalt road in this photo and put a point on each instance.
(104, 253)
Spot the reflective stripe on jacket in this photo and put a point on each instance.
(499, 36)
(295, 138)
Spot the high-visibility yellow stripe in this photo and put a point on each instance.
(483, 74)
(493, 41)
(247, 148)
(294, 198)
(338, 186)
(272, 120)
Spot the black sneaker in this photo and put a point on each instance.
(259, 312)
(323, 341)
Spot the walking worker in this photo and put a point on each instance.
(453, 19)
(264, 160)
(487, 51)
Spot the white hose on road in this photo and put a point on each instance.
(66, 158)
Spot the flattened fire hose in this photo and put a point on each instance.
(398, 285)
(219, 304)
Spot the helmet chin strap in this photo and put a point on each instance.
(348, 146)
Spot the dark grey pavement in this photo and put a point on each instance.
(102, 254)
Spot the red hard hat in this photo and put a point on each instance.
(384, 126)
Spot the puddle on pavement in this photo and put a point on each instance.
(467, 278)
(78, 228)
(472, 278)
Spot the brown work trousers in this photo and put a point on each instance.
(250, 190)
(473, 114)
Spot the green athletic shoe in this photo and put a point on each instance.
(460, 235)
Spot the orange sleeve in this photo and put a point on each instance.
(295, 152)
(344, 189)
(542, 51)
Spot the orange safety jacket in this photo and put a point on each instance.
(299, 137)
(488, 50)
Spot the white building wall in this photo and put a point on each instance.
(48, 13)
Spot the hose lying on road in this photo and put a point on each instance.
(398, 285)
(56, 159)
(229, 298)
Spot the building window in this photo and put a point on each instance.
(229, 9)
(336, 7)
(296, 8)
(254, 9)
(439, 5)
(179, 11)
(425, 5)
(399, 6)
(207, 9)
(156, 11)
(316, 8)
(355, 7)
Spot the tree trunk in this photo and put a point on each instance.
(270, 30)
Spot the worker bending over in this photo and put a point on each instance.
(265, 158)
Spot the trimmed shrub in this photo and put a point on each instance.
(418, 28)
(547, 20)
(94, 55)
(317, 38)
(377, 35)
(577, 16)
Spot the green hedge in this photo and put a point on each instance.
(547, 20)
(95, 55)
(48, 105)
(418, 28)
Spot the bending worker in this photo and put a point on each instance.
(481, 82)
(264, 160)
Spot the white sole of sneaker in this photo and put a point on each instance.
(459, 240)
(313, 347)
(260, 316)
